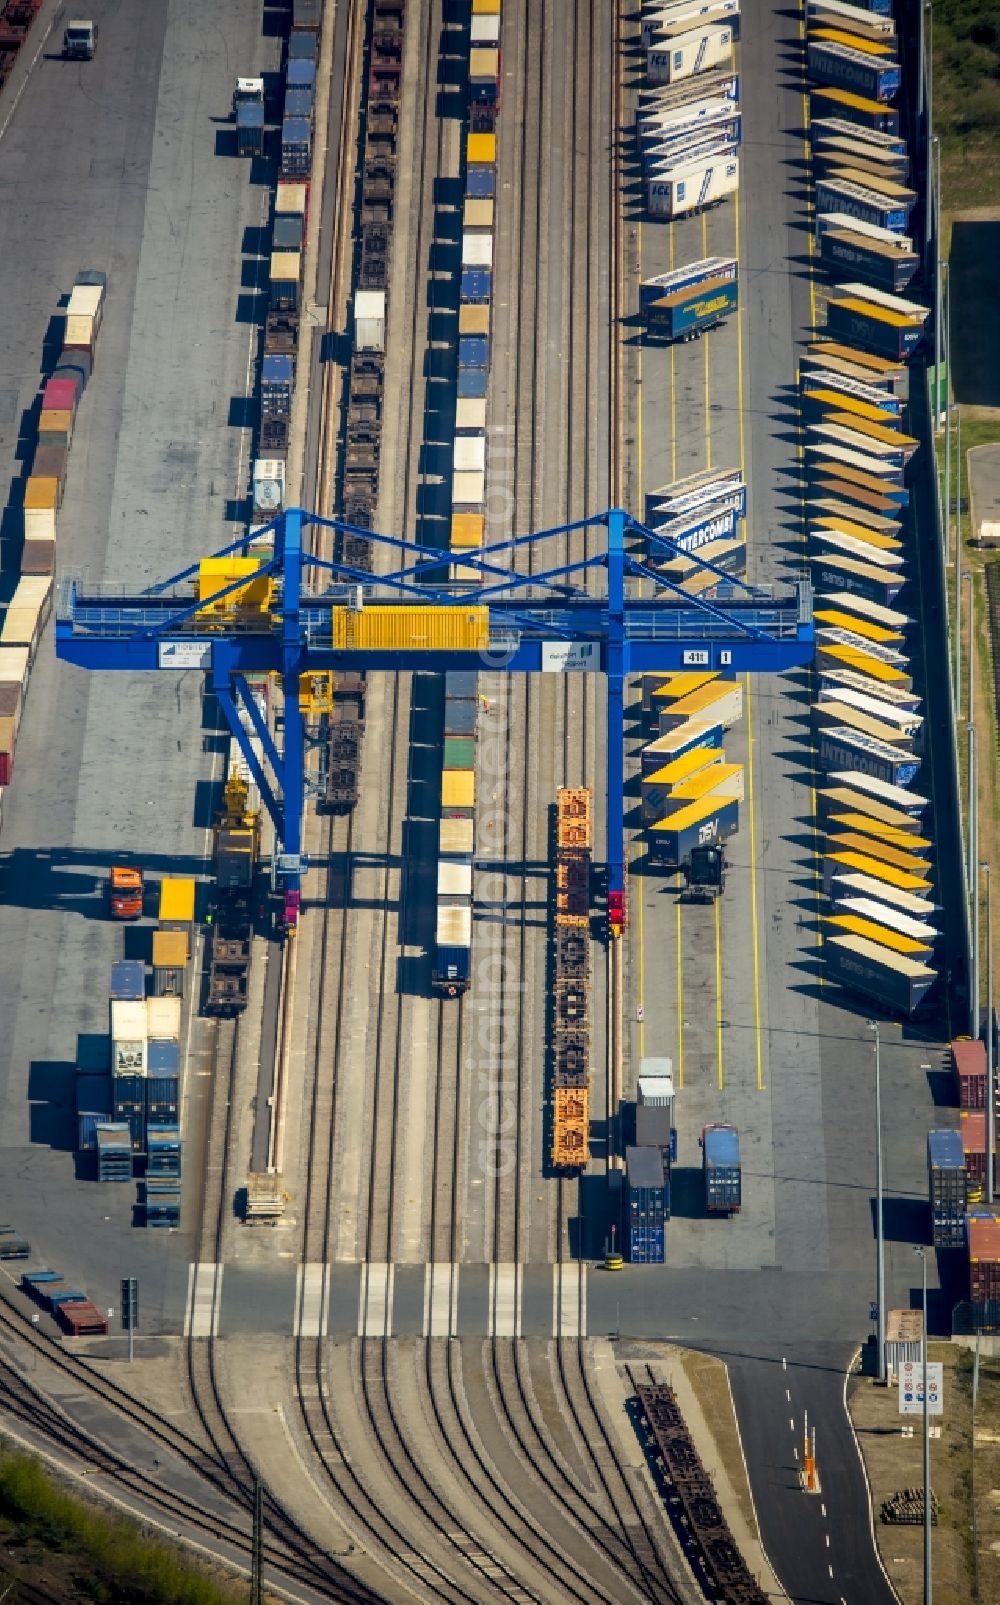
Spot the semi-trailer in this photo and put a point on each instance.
(685, 303)
(871, 73)
(881, 790)
(894, 333)
(835, 801)
(820, 404)
(881, 935)
(665, 18)
(837, 681)
(824, 129)
(829, 101)
(947, 1187)
(648, 1192)
(865, 198)
(852, 20)
(693, 733)
(854, 883)
(884, 265)
(836, 864)
(700, 824)
(842, 749)
(883, 913)
(898, 983)
(696, 491)
(867, 579)
(877, 470)
(702, 48)
(720, 702)
(721, 1171)
(694, 186)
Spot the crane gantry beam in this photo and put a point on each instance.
(611, 612)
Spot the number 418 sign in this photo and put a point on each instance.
(911, 1388)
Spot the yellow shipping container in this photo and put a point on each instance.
(41, 492)
(873, 847)
(215, 573)
(170, 949)
(428, 629)
(458, 788)
(486, 8)
(839, 619)
(177, 899)
(473, 319)
(286, 267)
(721, 701)
(892, 835)
(481, 148)
(467, 529)
(56, 421)
(878, 869)
(848, 657)
(80, 331)
(708, 781)
(677, 686)
(856, 926)
(857, 532)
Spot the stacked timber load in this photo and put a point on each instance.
(571, 1022)
(688, 129)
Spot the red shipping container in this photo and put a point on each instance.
(7, 733)
(59, 394)
(972, 1124)
(969, 1061)
(38, 557)
(984, 1258)
(82, 1320)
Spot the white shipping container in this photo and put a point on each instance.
(128, 1020)
(128, 1056)
(163, 1019)
(718, 703)
(854, 547)
(690, 53)
(895, 796)
(34, 590)
(21, 628)
(269, 485)
(468, 489)
(904, 719)
(693, 187)
(829, 221)
(866, 908)
(39, 523)
(369, 320)
(853, 883)
(477, 250)
(290, 199)
(454, 878)
(470, 412)
(485, 31)
(851, 679)
(469, 454)
(454, 926)
(87, 301)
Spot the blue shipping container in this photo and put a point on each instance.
(721, 1166)
(476, 285)
(128, 981)
(300, 74)
(299, 103)
(461, 685)
(474, 351)
(303, 45)
(164, 1058)
(472, 382)
(480, 183)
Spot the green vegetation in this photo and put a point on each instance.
(87, 1553)
(967, 100)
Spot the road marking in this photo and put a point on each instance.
(441, 1300)
(505, 1300)
(204, 1298)
(312, 1301)
(830, 1570)
(680, 1002)
(791, 1423)
(823, 1510)
(784, 1363)
(24, 82)
(673, 386)
(720, 1074)
(375, 1301)
(569, 1300)
(828, 1535)
(788, 1395)
(795, 1452)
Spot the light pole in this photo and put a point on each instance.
(972, 887)
(928, 1578)
(879, 1234)
(967, 574)
(990, 1090)
(947, 418)
(958, 626)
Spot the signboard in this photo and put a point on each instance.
(185, 655)
(561, 657)
(694, 659)
(911, 1388)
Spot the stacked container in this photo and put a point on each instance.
(947, 1188)
(451, 971)
(720, 1147)
(114, 1151)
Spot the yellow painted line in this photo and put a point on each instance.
(673, 384)
(641, 1000)
(720, 1075)
(680, 1002)
(707, 342)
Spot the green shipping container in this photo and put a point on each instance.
(460, 752)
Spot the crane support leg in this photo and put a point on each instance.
(615, 670)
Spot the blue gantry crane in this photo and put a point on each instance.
(254, 609)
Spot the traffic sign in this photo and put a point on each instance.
(911, 1388)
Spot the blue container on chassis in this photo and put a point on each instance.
(163, 1058)
(250, 129)
(480, 183)
(674, 846)
(889, 987)
(872, 333)
(947, 1188)
(890, 271)
(162, 1097)
(461, 685)
(873, 77)
(700, 311)
(843, 748)
(474, 351)
(128, 980)
(648, 1204)
(720, 1159)
(472, 382)
(476, 284)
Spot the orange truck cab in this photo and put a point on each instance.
(126, 893)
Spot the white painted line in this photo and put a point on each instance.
(204, 1300)
(505, 1300)
(823, 1509)
(569, 1293)
(791, 1422)
(189, 1301)
(440, 1300)
(375, 1303)
(795, 1452)
(830, 1568)
(312, 1300)
(788, 1395)
(784, 1363)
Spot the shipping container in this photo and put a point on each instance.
(128, 980)
(720, 702)
(452, 950)
(700, 48)
(876, 327)
(883, 265)
(461, 685)
(177, 900)
(648, 1204)
(693, 733)
(836, 800)
(95, 1106)
(972, 1128)
(694, 186)
(847, 924)
(875, 869)
(848, 883)
(720, 1149)
(874, 76)
(250, 128)
(984, 1258)
(369, 320)
(897, 983)
(456, 838)
(883, 913)
(968, 1059)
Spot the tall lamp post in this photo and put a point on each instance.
(990, 1088)
(928, 1574)
(879, 1233)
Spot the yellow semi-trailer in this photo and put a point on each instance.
(719, 703)
(895, 981)
(888, 538)
(844, 514)
(840, 801)
(865, 823)
(884, 935)
(832, 658)
(897, 796)
(659, 788)
(844, 862)
(885, 913)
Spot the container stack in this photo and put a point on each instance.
(451, 973)
(24, 619)
(571, 1024)
(947, 1187)
(882, 928)
(76, 1313)
(688, 129)
(690, 795)
(114, 1150)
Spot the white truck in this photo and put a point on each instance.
(79, 39)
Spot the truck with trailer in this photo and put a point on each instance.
(125, 892)
(682, 305)
(648, 1204)
(721, 1170)
(707, 822)
(896, 982)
